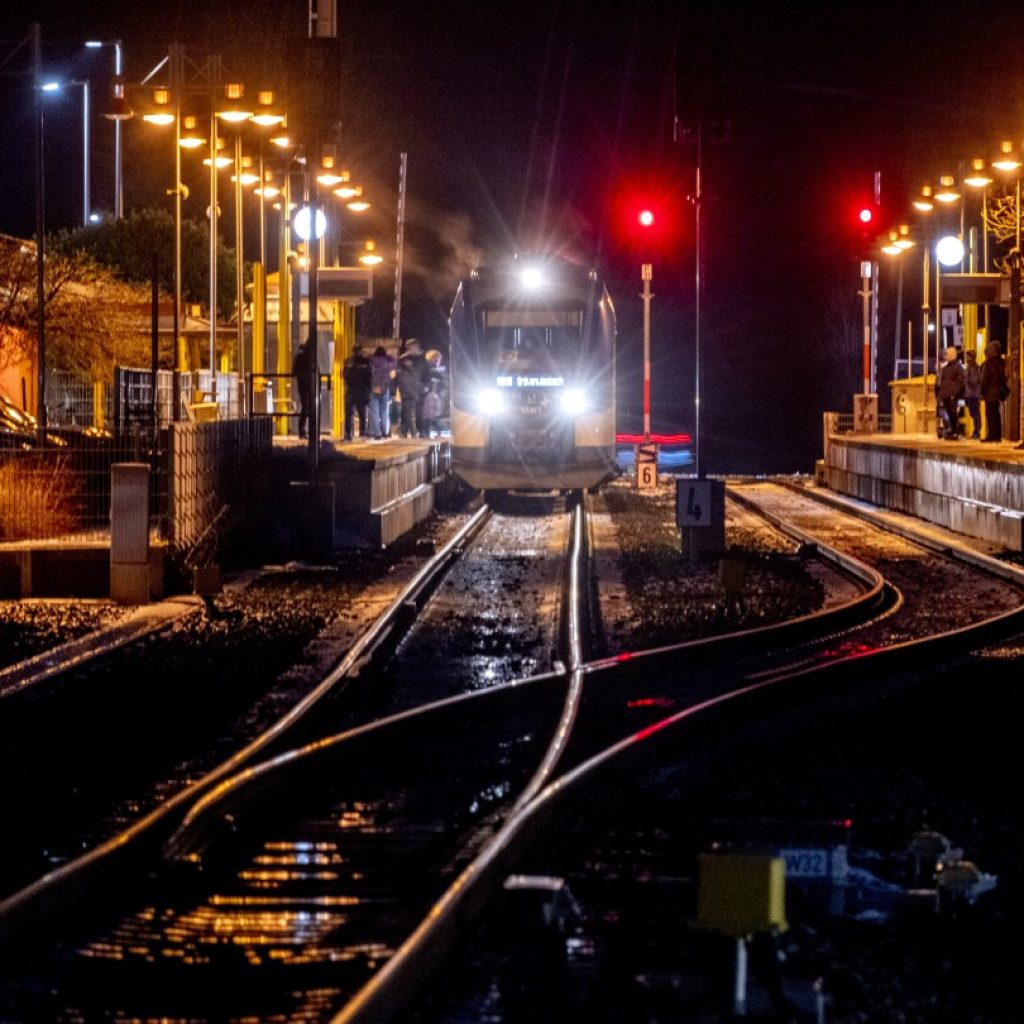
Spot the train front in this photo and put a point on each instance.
(533, 378)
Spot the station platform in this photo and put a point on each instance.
(381, 488)
(971, 487)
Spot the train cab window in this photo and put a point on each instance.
(526, 330)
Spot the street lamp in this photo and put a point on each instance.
(309, 224)
(55, 87)
(117, 115)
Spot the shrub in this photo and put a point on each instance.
(40, 496)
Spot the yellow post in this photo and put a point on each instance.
(339, 334)
(284, 310)
(259, 322)
(259, 336)
(99, 407)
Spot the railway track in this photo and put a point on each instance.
(338, 852)
(370, 675)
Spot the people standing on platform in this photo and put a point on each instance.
(994, 390)
(412, 386)
(357, 377)
(382, 371)
(302, 370)
(432, 409)
(949, 387)
(972, 391)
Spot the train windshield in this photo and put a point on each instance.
(524, 329)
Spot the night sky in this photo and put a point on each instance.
(537, 126)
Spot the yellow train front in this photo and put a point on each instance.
(533, 377)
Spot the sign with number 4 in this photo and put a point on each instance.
(693, 503)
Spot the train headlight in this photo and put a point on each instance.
(532, 278)
(490, 402)
(574, 402)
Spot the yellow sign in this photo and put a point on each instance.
(647, 467)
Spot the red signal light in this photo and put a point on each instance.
(645, 218)
(866, 215)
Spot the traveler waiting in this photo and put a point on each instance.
(993, 390)
(357, 377)
(972, 391)
(412, 386)
(303, 365)
(949, 387)
(382, 370)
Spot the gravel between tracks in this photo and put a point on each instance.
(650, 595)
(32, 626)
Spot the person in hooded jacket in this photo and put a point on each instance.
(993, 391)
(412, 385)
(382, 370)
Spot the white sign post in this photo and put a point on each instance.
(700, 516)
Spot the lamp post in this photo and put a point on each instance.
(235, 112)
(310, 223)
(117, 116)
(37, 48)
(55, 87)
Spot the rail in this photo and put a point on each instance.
(76, 885)
(389, 993)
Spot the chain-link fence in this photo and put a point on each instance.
(843, 422)
(61, 492)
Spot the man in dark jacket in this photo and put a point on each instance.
(356, 375)
(302, 370)
(412, 386)
(993, 390)
(950, 389)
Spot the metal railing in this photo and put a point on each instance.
(843, 422)
(277, 395)
(180, 396)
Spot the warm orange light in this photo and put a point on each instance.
(190, 137)
(923, 202)
(265, 116)
(1007, 159)
(947, 193)
(162, 115)
(370, 256)
(235, 109)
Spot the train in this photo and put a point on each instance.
(532, 363)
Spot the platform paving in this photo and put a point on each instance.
(973, 487)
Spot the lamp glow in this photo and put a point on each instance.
(303, 220)
(532, 278)
(574, 402)
(950, 251)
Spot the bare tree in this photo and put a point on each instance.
(93, 320)
(1002, 218)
